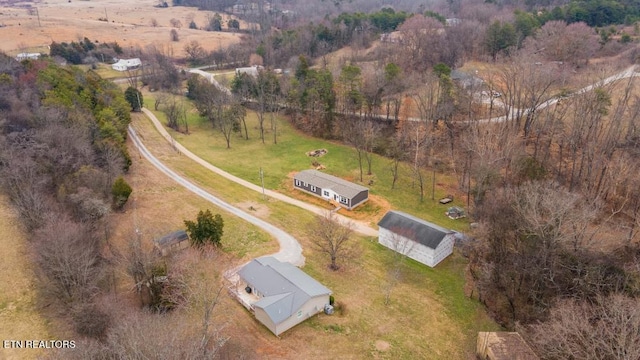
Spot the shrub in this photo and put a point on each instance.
(134, 98)
(90, 321)
(207, 229)
(120, 191)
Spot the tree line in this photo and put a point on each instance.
(62, 154)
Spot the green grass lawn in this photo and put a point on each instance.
(429, 315)
(245, 158)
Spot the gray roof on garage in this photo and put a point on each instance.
(416, 229)
(285, 287)
(326, 181)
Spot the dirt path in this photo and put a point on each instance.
(358, 226)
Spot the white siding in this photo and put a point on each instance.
(310, 308)
(417, 251)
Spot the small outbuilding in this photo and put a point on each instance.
(172, 242)
(503, 346)
(415, 238)
(347, 194)
(279, 294)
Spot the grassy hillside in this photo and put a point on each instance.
(429, 315)
(280, 161)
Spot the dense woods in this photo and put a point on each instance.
(62, 146)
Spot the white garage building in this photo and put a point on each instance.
(418, 239)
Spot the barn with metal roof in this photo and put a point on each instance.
(416, 238)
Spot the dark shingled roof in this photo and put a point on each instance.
(326, 181)
(171, 239)
(416, 229)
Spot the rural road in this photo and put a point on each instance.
(358, 226)
(290, 249)
(628, 72)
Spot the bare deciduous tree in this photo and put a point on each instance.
(70, 260)
(608, 328)
(332, 237)
(402, 247)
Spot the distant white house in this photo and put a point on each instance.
(418, 239)
(279, 294)
(28, 56)
(126, 64)
(251, 70)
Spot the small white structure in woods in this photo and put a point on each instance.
(418, 239)
(126, 64)
(280, 295)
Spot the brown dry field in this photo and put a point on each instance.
(19, 316)
(129, 24)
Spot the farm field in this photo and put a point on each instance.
(128, 22)
(366, 326)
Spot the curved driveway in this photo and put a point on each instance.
(290, 249)
(358, 226)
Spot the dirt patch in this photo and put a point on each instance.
(382, 345)
(317, 152)
(254, 208)
(127, 22)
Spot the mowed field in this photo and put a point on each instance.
(129, 23)
(429, 316)
(19, 316)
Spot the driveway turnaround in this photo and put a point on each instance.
(290, 249)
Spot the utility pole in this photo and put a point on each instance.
(38, 14)
(264, 196)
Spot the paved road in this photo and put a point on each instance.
(211, 79)
(290, 249)
(358, 226)
(627, 73)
